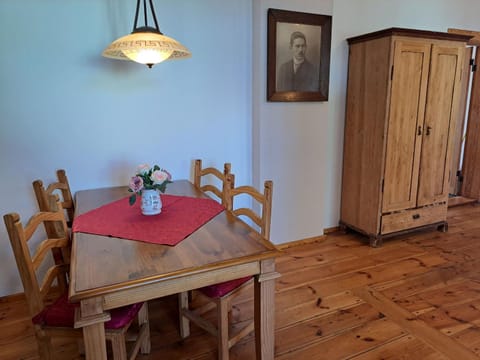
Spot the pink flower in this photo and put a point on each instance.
(159, 177)
(136, 184)
(143, 169)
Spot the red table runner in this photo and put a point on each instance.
(180, 217)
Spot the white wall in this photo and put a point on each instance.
(352, 18)
(63, 105)
(290, 140)
(300, 145)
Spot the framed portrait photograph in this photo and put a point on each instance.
(298, 57)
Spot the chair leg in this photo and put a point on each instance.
(44, 343)
(119, 347)
(143, 321)
(222, 338)
(184, 322)
(81, 347)
(45, 349)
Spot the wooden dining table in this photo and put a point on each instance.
(108, 272)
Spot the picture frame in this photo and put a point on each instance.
(298, 56)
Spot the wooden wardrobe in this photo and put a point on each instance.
(402, 104)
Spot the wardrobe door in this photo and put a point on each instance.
(440, 116)
(406, 116)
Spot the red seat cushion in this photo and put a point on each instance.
(62, 313)
(219, 290)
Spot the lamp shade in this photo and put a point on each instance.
(146, 48)
(146, 44)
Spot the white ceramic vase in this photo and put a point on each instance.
(151, 202)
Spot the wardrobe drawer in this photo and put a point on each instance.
(413, 218)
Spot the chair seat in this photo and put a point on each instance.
(61, 313)
(219, 290)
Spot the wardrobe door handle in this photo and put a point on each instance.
(428, 130)
(419, 132)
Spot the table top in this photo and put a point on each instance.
(102, 265)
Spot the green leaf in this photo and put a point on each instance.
(132, 199)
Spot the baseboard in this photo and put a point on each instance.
(53, 294)
(331, 230)
(12, 298)
(301, 242)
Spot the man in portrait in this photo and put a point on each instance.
(298, 74)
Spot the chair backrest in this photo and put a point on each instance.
(264, 217)
(199, 173)
(61, 186)
(36, 290)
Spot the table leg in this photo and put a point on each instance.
(265, 310)
(91, 318)
(95, 344)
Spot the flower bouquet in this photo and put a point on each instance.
(148, 178)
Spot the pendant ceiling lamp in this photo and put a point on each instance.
(146, 44)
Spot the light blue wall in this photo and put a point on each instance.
(63, 105)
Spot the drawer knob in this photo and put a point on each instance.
(416, 216)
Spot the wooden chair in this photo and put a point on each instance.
(52, 314)
(48, 203)
(221, 295)
(199, 173)
(61, 186)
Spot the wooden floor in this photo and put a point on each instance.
(459, 200)
(417, 297)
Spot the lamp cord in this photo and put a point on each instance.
(154, 16)
(145, 15)
(136, 16)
